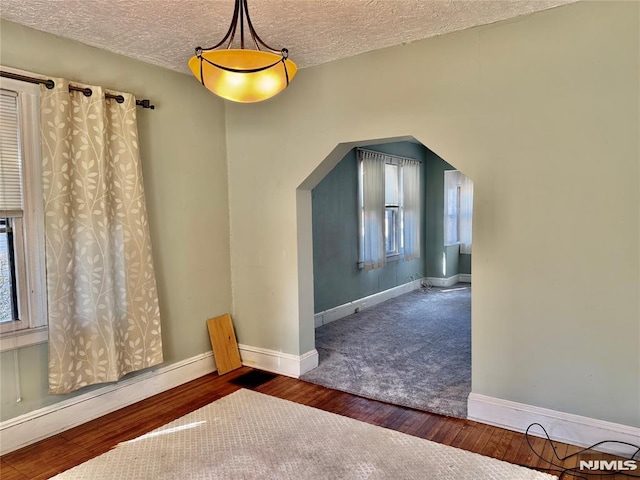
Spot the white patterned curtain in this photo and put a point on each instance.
(372, 213)
(104, 319)
(411, 208)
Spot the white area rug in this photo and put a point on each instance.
(248, 435)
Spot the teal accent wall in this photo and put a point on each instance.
(337, 279)
(464, 263)
(451, 260)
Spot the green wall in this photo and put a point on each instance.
(182, 145)
(337, 279)
(520, 107)
(451, 256)
(464, 263)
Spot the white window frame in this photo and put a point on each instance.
(29, 240)
(399, 230)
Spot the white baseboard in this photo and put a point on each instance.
(278, 362)
(450, 281)
(562, 427)
(443, 282)
(347, 309)
(47, 421)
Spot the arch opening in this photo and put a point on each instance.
(374, 327)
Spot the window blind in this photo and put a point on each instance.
(10, 159)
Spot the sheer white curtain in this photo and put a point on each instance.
(411, 208)
(466, 213)
(372, 247)
(458, 210)
(451, 208)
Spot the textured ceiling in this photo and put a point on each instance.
(165, 32)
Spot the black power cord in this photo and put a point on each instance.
(575, 472)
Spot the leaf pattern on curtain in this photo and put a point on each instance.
(104, 320)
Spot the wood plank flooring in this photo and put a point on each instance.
(61, 452)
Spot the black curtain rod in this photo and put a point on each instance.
(86, 91)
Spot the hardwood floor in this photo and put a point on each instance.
(65, 450)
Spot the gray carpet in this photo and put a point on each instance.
(413, 350)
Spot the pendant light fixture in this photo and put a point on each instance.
(243, 75)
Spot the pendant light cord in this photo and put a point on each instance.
(240, 12)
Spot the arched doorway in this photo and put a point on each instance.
(398, 332)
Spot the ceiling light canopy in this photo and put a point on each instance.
(243, 75)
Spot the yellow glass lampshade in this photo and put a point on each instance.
(242, 86)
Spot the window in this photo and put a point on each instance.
(452, 208)
(458, 210)
(389, 202)
(22, 283)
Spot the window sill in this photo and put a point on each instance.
(23, 338)
(390, 258)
